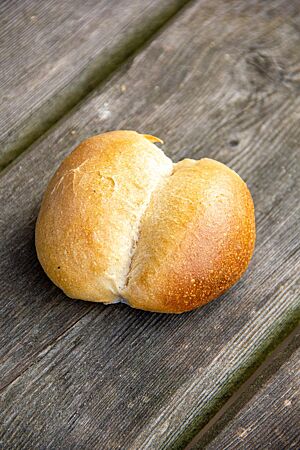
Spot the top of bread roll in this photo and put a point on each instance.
(119, 219)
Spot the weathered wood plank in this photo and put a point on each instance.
(215, 83)
(53, 53)
(270, 419)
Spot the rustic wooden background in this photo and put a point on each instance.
(211, 78)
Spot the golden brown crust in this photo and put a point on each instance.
(202, 238)
(193, 222)
(91, 210)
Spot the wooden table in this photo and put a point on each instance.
(211, 78)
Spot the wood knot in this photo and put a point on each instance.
(258, 71)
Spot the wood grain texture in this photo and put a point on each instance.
(54, 52)
(215, 83)
(270, 420)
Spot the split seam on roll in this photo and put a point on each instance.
(158, 185)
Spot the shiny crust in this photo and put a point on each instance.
(90, 213)
(118, 218)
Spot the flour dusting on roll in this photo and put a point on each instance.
(120, 220)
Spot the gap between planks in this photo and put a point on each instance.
(97, 72)
(274, 360)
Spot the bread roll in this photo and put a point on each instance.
(120, 221)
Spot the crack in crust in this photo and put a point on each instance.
(159, 185)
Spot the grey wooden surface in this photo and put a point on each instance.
(53, 52)
(214, 83)
(270, 420)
